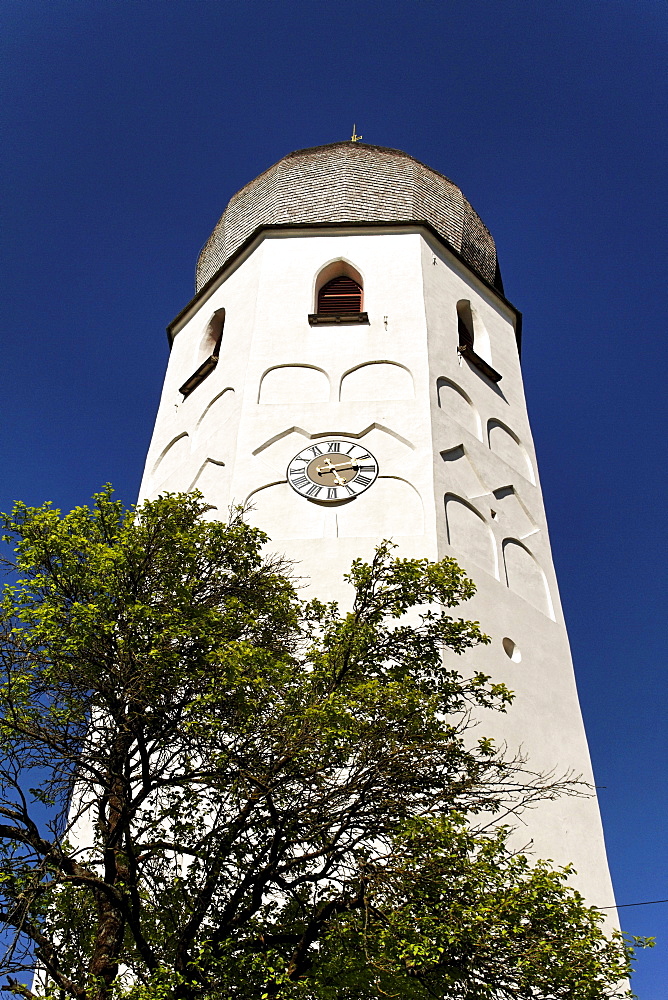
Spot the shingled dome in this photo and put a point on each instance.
(349, 182)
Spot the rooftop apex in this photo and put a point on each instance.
(351, 182)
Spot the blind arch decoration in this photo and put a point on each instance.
(340, 295)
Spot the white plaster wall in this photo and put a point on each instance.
(281, 383)
(501, 483)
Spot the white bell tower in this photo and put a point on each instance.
(349, 367)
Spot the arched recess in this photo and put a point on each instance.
(212, 337)
(391, 508)
(470, 535)
(294, 383)
(215, 415)
(461, 473)
(515, 516)
(338, 268)
(472, 332)
(457, 404)
(211, 481)
(525, 577)
(171, 457)
(282, 514)
(506, 444)
(375, 381)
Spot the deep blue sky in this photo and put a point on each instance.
(128, 125)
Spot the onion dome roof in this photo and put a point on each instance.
(354, 183)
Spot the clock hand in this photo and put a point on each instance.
(321, 469)
(341, 465)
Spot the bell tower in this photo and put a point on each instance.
(350, 368)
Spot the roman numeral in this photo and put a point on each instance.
(350, 492)
(366, 468)
(334, 446)
(316, 451)
(331, 493)
(300, 481)
(313, 492)
(363, 480)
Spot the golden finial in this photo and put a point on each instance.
(355, 137)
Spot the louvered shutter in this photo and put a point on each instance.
(338, 296)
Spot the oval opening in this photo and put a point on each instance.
(512, 650)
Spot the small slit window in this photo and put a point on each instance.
(465, 325)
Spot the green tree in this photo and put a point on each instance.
(239, 794)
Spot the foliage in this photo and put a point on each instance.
(240, 794)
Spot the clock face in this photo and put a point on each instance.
(331, 471)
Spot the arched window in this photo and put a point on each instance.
(338, 295)
(466, 338)
(209, 352)
(213, 336)
(465, 324)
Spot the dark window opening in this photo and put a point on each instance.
(465, 325)
(465, 333)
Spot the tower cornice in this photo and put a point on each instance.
(311, 228)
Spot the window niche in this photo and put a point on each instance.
(209, 352)
(466, 332)
(465, 325)
(339, 295)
